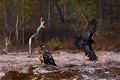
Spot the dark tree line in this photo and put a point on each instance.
(19, 19)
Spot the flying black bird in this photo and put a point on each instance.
(84, 42)
(45, 56)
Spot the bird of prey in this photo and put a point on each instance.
(84, 41)
(45, 56)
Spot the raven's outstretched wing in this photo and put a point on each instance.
(84, 43)
(90, 53)
(88, 33)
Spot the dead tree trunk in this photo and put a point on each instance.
(30, 39)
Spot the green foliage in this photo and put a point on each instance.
(54, 43)
(85, 5)
(27, 9)
(7, 2)
(2, 45)
(75, 27)
(10, 46)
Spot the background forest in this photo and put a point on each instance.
(64, 20)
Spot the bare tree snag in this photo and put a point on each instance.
(30, 39)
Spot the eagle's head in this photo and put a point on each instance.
(42, 46)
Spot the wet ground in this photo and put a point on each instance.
(72, 65)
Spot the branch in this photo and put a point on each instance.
(41, 25)
(30, 39)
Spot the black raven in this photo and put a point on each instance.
(84, 42)
(45, 56)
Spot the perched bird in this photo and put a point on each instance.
(45, 56)
(84, 41)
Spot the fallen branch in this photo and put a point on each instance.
(30, 39)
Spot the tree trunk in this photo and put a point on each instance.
(101, 19)
(17, 30)
(30, 42)
(41, 8)
(60, 13)
(22, 22)
(49, 13)
(65, 10)
(23, 36)
(5, 12)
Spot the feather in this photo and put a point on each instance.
(90, 53)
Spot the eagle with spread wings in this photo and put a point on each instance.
(84, 41)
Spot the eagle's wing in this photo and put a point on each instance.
(90, 53)
(88, 33)
(48, 58)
